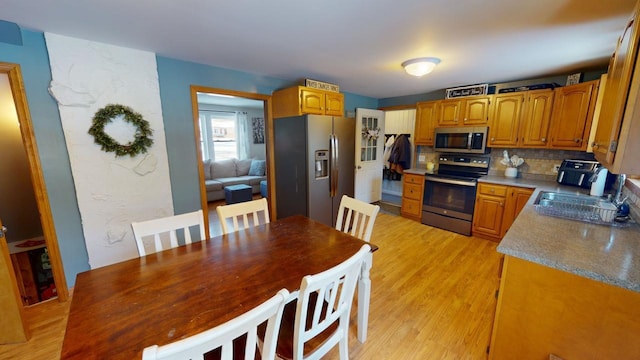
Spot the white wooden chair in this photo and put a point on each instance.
(241, 211)
(318, 323)
(356, 217)
(222, 336)
(162, 227)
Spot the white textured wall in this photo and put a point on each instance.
(112, 192)
(400, 122)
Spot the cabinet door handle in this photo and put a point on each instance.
(577, 140)
(493, 139)
(544, 139)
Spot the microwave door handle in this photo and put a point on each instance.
(450, 181)
(469, 138)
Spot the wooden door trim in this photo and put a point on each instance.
(42, 199)
(268, 123)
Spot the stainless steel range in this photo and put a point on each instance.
(450, 193)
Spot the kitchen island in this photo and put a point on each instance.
(568, 288)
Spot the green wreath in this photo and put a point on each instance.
(107, 143)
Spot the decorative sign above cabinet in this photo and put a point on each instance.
(470, 90)
(321, 85)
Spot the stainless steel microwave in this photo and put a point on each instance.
(472, 140)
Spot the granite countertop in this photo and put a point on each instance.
(417, 171)
(610, 254)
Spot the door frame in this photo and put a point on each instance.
(268, 123)
(37, 179)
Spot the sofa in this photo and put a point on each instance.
(221, 173)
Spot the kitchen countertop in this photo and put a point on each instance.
(609, 254)
(417, 171)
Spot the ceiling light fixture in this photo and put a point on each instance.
(420, 66)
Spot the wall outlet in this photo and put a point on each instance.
(422, 158)
(556, 168)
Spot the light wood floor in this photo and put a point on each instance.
(433, 297)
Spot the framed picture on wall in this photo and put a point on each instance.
(258, 130)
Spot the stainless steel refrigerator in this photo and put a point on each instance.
(314, 165)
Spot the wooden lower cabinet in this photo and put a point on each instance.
(543, 311)
(496, 208)
(517, 198)
(412, 192)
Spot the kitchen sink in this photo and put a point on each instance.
(575, 206)
(548, 198)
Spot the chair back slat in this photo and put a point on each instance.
(167, 226)
(356, 217)
(244, 211)
(339, 284)
(222, 336)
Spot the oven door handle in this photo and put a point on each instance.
(450, 181)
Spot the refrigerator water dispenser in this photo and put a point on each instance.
(322, 164)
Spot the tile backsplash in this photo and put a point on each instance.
(538, 163)
(632, 192)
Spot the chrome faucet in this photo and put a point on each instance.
(618, 200)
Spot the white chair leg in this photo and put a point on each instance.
(344, 347)
(364, 296)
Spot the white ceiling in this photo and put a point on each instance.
(357, 44)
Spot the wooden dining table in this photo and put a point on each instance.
(118, 310)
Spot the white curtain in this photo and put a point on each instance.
(243, 134)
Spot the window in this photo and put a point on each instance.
(218, 135)
(369, 145)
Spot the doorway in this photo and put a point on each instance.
(218, 118)
(31, 231)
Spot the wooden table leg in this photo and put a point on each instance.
(364, 295)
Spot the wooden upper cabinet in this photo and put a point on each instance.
(334, 104)
(505, 118)
(473, 110)
(476, 110)
(449, 112)
(534, 128)
(521, 119)
(616, 142)
(312, 101)
(300, 100)
(572, 115)
(426, 121)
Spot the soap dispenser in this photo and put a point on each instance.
(598, 181)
